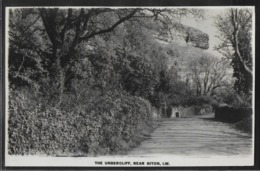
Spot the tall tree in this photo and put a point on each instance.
(235, 28)
(52, 39)
(208, 74)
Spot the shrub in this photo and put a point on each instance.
(232, 114)
(245, 124)
(102, 126)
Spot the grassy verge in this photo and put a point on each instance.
(245, 125)
(142, 134)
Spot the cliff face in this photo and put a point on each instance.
(196, 38)
(186, 35)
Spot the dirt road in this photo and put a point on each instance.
(194, 137)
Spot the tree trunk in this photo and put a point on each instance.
(235, 43)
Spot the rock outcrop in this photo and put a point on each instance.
(196, 38)
(186, 35)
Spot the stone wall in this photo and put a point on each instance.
(197, 110)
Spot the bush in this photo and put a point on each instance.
(232, 114)
(245, 124)
(102, 126)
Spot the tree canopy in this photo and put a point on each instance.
(84, 80)
(235, 28)
(49, 40)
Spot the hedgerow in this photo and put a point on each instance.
(104, 127)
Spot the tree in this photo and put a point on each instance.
(235, 28)
(201, 71)
(208, 74)
(52, 39)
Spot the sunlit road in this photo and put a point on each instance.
(194, 137)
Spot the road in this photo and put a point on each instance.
(194, 137)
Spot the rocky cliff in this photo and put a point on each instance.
(196, 38)
(186, 35)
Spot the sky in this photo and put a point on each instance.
(207, 25)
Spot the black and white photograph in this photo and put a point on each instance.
(129, 86)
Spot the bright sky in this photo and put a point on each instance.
(207, 25)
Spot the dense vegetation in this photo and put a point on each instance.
(79, 84)
(85, 80)
(235, 34)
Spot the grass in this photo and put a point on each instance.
(244, 125)
(144, 133)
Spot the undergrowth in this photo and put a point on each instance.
(104, 125)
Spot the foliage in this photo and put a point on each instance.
(194, 75)
(232, 114)
(84, 80)
(209, 74)
(235, 33)
(201, 71)
(245, 125)
(53, 37)
(100, 126)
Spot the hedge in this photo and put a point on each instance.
(102, 128)
(232, 114)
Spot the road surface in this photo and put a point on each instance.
(194, 137)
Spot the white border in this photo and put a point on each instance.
(90, 161)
